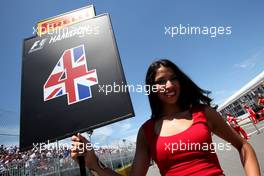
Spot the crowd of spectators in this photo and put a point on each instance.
(50, 160)
(30, 161)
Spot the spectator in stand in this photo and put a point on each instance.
(234, 124)
(260, 100)
(252, 114)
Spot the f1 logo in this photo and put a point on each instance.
(37, 45)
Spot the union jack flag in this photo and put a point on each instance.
(70, 76)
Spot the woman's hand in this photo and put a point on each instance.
(82, 147)
(139, 167)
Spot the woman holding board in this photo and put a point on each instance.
(178, 134)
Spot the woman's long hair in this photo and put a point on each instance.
(190, 95)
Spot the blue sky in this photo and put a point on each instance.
(222, 64)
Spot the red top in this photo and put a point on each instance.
(251, 112)
(232, 121)
(188, 153)
(261, 101)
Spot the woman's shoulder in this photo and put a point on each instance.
(148, 127)
(147, 123)
(147, 130)
(199, 108)
(201, 112)
(209, 114)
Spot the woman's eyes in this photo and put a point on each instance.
(174, 79)
(161, 82)
(164, 81)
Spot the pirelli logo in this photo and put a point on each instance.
(58, 22)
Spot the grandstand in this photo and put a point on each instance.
(247, 94)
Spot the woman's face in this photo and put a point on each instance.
(168, 85)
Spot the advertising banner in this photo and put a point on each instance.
(58, 22)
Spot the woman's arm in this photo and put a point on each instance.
(142, 156)
(140, 164)
(91, 160)
(247, 154)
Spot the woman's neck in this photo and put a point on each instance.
(170, 111)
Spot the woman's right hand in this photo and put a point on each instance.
(82, 147)
(139, 167)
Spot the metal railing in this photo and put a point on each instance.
(62, 166)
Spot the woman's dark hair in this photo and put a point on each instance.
(190, 95)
